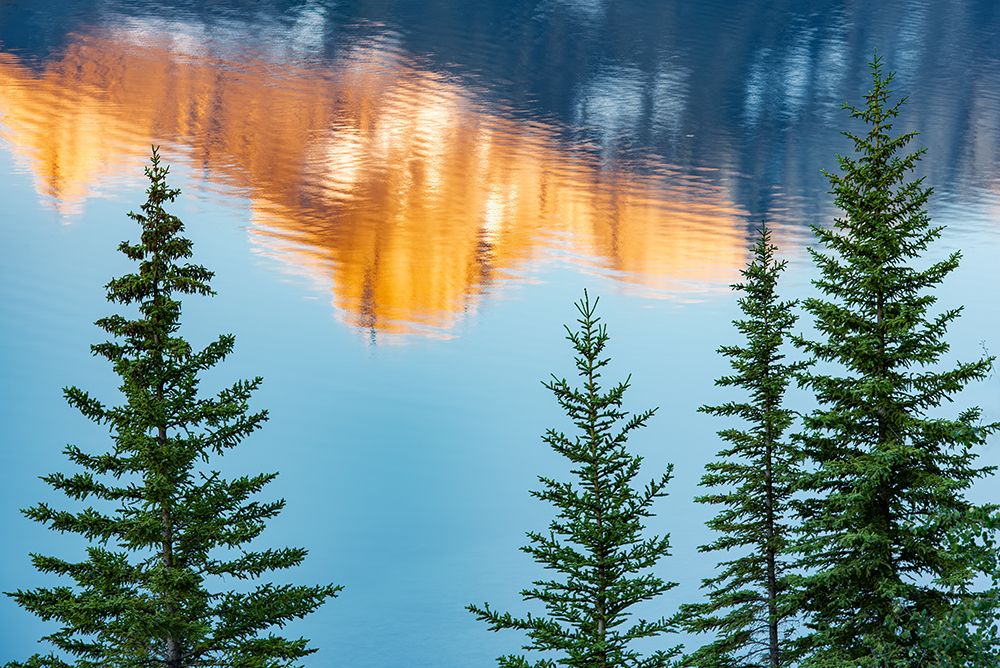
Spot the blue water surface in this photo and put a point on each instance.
(401, 201)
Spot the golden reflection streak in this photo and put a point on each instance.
(386, 180)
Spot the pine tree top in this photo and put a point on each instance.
(751, 482)
(594, 548)
(891, 544)
(164, 528)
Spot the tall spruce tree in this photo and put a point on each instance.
(594, 547)
(752, 482)
(166, 527)
(891, 545)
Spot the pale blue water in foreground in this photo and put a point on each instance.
(402, 341)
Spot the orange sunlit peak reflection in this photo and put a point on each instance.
(402, 192)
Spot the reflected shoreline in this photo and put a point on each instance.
(389, 183)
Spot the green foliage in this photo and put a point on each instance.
(753, 479)
(594, 546)
(891, 547)
(165, 526)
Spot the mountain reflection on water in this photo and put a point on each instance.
(418, 160)
(387, 179)
(410, 189)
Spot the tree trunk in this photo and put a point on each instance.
(772, 576)
(773, 654)
(173, 650)
(173, 654)
(601, 604)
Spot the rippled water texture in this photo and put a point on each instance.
(448, 176)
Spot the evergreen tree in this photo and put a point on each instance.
(891, 545)
(752, 482)
(165, 526)
(594, 546)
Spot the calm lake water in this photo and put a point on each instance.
(401, 201)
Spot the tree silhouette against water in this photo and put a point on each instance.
(594, 547)
(166, 526)
(891, 546)
(748, 606)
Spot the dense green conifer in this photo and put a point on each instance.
(752, 482)
(892, 547)
(594, 547)
(165, 527)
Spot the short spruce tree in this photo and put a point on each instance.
(599, 560)
(166, 527)
(897, 560)
(748, 607)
